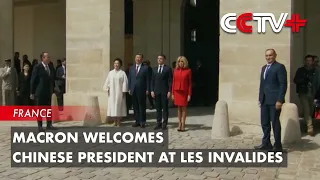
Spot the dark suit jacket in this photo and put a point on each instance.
(274, 87)
(161, 82)
(316, 83)
(42, 83)
(139, 82)
(127, 71)
(59, 73)
(24, 84)
(302, 78)
(17, 65)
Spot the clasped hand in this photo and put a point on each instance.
(278, 105)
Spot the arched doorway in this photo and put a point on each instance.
(200, 43)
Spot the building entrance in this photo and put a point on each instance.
(200, 44)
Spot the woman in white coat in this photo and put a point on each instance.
(116, 86)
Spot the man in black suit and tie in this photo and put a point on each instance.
(161, 90)
(42, 83)
(139, 88)
(273, 88)
(61, 82)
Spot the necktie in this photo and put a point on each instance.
(47, 69)
(160, 69)
(137, 69)
(266, 71)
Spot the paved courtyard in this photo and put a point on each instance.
(304, 163)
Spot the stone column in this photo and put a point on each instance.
(242, 57)
(6, 30)
(6, 34)
(94, 37)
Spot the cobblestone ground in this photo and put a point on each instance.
(304, 163)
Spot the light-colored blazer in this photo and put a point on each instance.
(9, 78)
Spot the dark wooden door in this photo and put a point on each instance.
(190, 30)
(201, 43)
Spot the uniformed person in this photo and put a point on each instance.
(9, 79)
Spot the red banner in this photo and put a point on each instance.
(34, 113)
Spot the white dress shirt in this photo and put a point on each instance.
(46, 67)
(266, 70)
(160, 68)
(138, 66)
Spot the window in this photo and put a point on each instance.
(193, 35)
(193, 2)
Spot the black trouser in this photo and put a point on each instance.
(139, 106)
(41, 102)
(62, 89)
(270, 115)
(128, 102)
(162, 104)
(16, 99)
(150, 100)
(24, 100)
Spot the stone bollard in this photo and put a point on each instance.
(92, 115)
(55, 108)
(220, 125)
(290, 125)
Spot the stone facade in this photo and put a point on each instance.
(92, 46)
(95, 36)
(157, 28)
(242, 56)
(6, 32)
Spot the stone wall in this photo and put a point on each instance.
(40, 27)
(94, 37)
(6, 30)
(242, 57)
(6, 34)
(157, 29)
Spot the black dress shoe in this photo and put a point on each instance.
(51, 128)
(263, 147)
(157, 127)
(135, 125)
(164, 127)
(277, 149)
(40, 129)
(143, 125)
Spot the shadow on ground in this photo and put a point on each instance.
(189, 127)
(173, 112)
(235, 131)
(303, 145)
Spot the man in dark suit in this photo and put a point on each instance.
(149, 96)
(25, 60)
(139, 85)
(17, 62)
(61, 82)
(272, 91)
(161, 90)
(42, 83)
